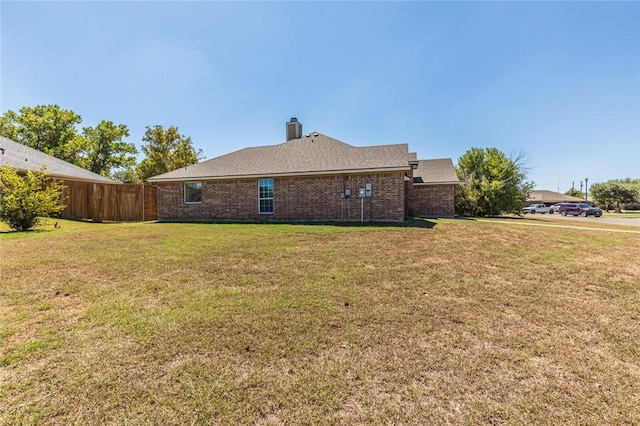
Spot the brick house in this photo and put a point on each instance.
(434, 182)
(310, 177)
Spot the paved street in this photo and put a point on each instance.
(577, 219)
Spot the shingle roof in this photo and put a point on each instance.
(546, 196)
(314, 153)
(23, 158)
(437, 171)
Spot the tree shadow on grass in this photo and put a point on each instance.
(410, 223)
(26, 231)
(10, 234)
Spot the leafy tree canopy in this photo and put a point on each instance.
(615, 191)
(25, 200)
(47, 128)
(52, 130)
(127, 175)
(575, 193)
(105, 149)
(165, 150)
(491, 183)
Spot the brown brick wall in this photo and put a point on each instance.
(408, 195)
(295, 199)
(433, 200)
(408, 199)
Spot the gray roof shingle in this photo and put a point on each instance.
(23, 158)
(437, 171)
(314, 153)
(547, 196)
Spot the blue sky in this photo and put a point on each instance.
(559, 81)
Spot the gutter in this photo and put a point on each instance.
(271, 175)
(452, 182)
(66, 177)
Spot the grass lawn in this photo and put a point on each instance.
(623, 213)
(460, 322)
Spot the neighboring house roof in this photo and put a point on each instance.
(413, 158)
(314, 153)
(435, 172)
(546, 196)
(23, 158)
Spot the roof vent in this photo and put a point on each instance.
(294, 129)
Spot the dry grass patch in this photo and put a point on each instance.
(465, 322)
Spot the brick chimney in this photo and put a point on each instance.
(294, 129)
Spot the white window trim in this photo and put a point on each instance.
(184, 190)
(272, 198)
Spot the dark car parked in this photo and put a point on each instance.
(580, 209)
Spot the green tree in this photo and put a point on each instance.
(105, 150)
(25, 200)
(52, 130)
(165, 150)
(491, 183)
(47, 128)
(575, 193)
(127, 175)
(633, 184)
(613, 191)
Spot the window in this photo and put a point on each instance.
(265, 196)
(193, 192)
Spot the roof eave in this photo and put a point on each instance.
(449, 182)
(79, 179)
(289, 174)
(65, 177)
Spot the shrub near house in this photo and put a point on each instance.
(25, 200)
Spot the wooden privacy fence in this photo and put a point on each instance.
(109, 202)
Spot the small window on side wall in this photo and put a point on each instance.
(193, 192)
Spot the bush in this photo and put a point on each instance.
(491, 183)
(632, 206)
(25, 200)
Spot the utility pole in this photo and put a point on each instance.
(586, 188)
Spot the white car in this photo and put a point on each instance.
(555, 208)
(536, 208)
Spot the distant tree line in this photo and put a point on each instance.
(100, 149)
(615, 192)
(612, 193)
(575, 193)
